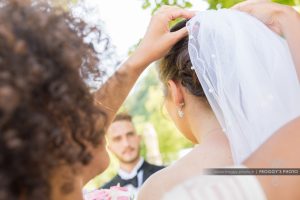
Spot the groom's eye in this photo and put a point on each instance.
(117, 139)
(130, 133)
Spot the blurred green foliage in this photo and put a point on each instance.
(146, 100)
(213, 4)
(99, 180)
(154, 5)
(146, 105)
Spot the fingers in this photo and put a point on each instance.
(177, 35)
(181, 13)
(159, 31)
(243, 6)
(170, 13)
(174, 12)
(248, 5)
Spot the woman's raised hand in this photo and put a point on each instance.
(158, 39)
(282, 19)
(275, 16)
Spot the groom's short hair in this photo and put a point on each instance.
(123, 117)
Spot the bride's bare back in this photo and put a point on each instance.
(214, 152)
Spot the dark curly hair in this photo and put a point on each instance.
(176, 65)
(47, 113)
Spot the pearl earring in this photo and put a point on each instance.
(180, 111)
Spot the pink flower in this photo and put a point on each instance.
(114, 193)
(116, 187)
(102, 194)
(123, 198)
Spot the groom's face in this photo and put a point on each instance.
(123, 141)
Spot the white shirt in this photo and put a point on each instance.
(129, 175)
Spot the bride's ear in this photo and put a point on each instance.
(176, 93)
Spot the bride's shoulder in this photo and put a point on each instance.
(164, 180)
(154, 186)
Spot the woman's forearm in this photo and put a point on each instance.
(280, 151)
(114, 92)
(290, 22)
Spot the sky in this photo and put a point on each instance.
(125, 21)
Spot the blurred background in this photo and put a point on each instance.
(123, 24)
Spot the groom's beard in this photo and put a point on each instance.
(129, 155)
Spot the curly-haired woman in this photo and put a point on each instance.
(51, 128)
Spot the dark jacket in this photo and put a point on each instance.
(148, 170)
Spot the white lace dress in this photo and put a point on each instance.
(214, 187)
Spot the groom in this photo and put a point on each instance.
(124, 143)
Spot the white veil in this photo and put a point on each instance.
(247, 74)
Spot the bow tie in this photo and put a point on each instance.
(133, 181)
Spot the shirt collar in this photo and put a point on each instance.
(125, 175)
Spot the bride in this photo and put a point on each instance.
(229, 86)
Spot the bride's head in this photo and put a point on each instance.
(183, 91)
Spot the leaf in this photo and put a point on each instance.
(188, 4)
(146, 5)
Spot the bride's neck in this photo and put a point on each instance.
(204, 126)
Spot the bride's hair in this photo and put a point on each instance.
(177, 66)
(47, 113)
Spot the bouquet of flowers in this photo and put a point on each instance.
(114, 193)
